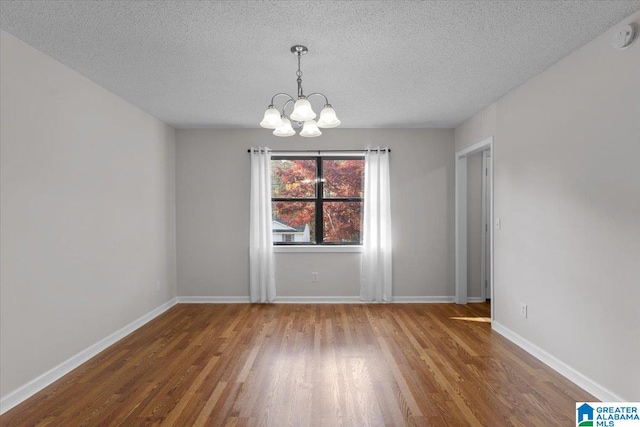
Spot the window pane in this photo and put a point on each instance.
(297, 220)
(293, 178)
(342, 222)
(343, 178)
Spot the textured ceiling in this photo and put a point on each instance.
(381, 64)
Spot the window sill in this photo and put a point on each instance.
(313, 248)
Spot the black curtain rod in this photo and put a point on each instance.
(388, 150)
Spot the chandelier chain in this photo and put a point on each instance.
(299, 74)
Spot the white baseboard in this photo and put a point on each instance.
(559, 366)
(408, 300)
(35, 385)
(356, 300)
(318, 300)
(475, 299)
(310, 300)
(213, 300)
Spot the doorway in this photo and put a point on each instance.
(461, 273)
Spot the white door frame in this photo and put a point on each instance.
(486, 224)
(461, 219)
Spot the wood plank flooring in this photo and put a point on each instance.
(309, 365)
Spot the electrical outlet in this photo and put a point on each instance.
(158, 286)
(498, 224)
(523, 310)
(314, 276)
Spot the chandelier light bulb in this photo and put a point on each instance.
(310, 129)
(285, 129)
(328, 118)
(271, 119)
(302, 111)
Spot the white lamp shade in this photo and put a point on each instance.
(284, 129)
(328, 118)
(302, 111)
(271, 119)
(310, 129)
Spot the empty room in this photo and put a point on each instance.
(320, 213)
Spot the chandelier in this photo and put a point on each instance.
(302, 114)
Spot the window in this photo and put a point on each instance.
(317, 200)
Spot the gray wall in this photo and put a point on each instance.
(87, 213)
(567, 189)
(212, 180)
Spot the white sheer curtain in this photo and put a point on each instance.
(262, 283)
(375, 277)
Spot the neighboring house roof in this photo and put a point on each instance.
(279, 227)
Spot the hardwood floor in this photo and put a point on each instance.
(299, 365)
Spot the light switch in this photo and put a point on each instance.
(498, 224)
